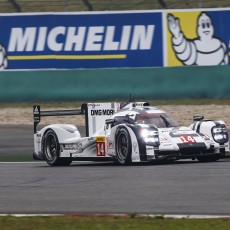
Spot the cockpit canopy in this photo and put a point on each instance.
(160, 120)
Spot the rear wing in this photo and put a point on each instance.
(95, 114)
(37, 113)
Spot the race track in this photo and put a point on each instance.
(185, 187)
(182, 188)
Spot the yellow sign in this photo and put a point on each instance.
(185, 22)
(192, 40)
(100, 139)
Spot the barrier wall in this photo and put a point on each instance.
(115, 84)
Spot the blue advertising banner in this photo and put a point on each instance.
(80, 40)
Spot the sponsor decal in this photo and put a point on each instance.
(77, 147)
(165, 131)
(101, 112)
(149, 147)
(110, 144)
(93, 105)
(90, 138)
(164, 139)
(135, 146)
(118, 106)
(187, 139)
(150, 151)
(100, 149)
(182, 131)
(166, 144)
(100, 139)
(36, 110)
(205, 136)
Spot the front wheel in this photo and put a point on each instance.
(123, 146)
(51, 150)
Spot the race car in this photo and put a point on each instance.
(125, 133)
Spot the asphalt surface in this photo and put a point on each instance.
(185, 187)
(188, 188)
(18, 139)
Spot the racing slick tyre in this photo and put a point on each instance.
(51, 150)
(208, 158)
(123, 146)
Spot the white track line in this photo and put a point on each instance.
(26, 162)
(125, 215)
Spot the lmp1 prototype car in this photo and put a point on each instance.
(125, 133)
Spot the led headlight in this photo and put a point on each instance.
(150, 137)
(220, 134)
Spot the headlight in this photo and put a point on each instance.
(220, 134)
(150, 137)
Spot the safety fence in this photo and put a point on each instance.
(8, 6)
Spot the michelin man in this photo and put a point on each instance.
(205, 50)
(3, 58)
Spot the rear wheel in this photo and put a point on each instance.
(123, 146)
(51, 150)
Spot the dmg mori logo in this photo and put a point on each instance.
(102, 112)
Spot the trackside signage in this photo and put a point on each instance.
(39, 41)
(197, 38)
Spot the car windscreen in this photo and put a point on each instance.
(160, 120)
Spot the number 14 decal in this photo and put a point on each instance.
(187, 139)
(100, 149)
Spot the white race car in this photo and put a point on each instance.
(125, 133)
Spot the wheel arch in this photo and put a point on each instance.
(136, 145)
(43, 138)
(51, 149)
(64, 132)
(123, 145)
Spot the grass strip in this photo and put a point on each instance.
(16, 158)
(105, 223)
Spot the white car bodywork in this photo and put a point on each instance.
(106, 122)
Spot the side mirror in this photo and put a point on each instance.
(109, 121)
(130, 119)
(198, 118)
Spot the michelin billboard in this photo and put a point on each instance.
(197, 38)
(81, 40)
(115, 39)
